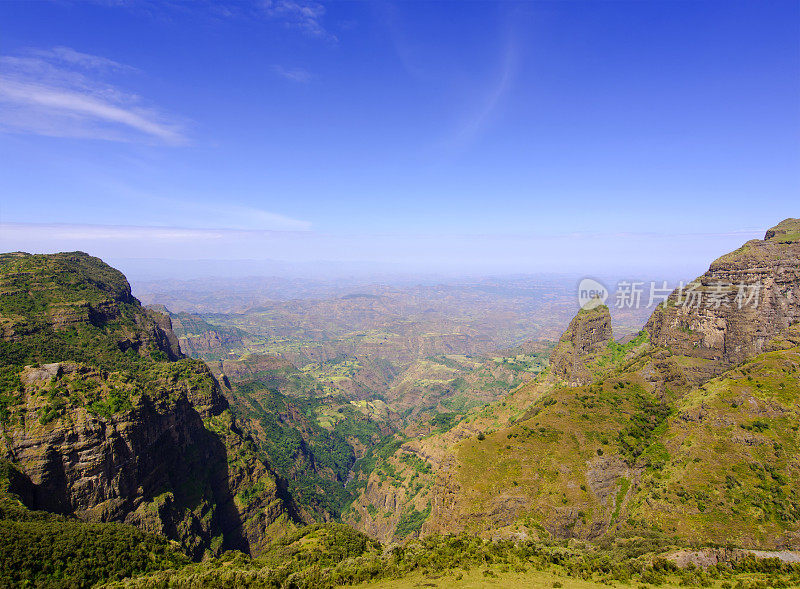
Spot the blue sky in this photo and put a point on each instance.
(451, 136)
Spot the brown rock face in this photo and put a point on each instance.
(249, 368)
(178, 466)
(106, 420)
(587, 332)
(169, 341)
(744, 299)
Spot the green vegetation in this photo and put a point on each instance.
(74, 307)
(314, 460)
(649, 416)
(624, 485)
(330, 555)
(442, 422)
(411, 521)
(379, 454)
(39, 549)
(616, 353)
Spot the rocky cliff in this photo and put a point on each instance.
(689, 434)
(254, 366)
(744, 299)
(587, 333)
(107, 421)
(200, 339)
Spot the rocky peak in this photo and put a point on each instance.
(787, 231)
(745, 299)
(45, 293)
(588, 331)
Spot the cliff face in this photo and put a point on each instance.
(108, 421)
(587, 333)
(744, 299)
(272, 369)
(200, 339)
(691, 434)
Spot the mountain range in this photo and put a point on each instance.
(676, 440)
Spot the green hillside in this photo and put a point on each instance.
(40, 549)
(107, 421)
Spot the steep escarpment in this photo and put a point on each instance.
(586, 334)
(107, 421)
(744, 299)
(200, 339)
(687, 431)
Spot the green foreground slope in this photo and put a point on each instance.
(333, 555)
(40, 549)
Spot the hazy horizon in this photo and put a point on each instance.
(667, 255)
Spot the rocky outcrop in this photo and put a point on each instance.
(745, 299)
(169, 341)
(200, 339)
(110, 423)
(251, 367)
(74, 291)
(588, 332)
(205, 345)
(161, 465)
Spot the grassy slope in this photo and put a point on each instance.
(405, 478)
(323, 556)
(733, 474)
(476, 579)
(711, 463)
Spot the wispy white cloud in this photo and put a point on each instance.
(221, 213)
(59, 92)
(305, 16)
(246, 218)
(479, 118)
(90, 233)
(293, 74)
(69, 56)
(475, 104)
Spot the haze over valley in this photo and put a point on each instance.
(306, 294)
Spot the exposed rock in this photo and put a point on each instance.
(603, 474)
(170, 341)
(251, 367)
(587, 332)
(745, 299)
(41, 373)
(112, 423)
(706, 557)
